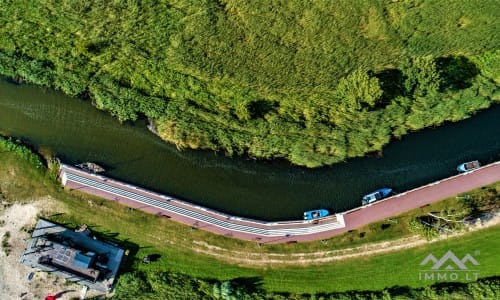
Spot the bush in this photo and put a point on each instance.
(22, 151)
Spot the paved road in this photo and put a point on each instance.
(274, 232)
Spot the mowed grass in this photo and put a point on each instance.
(143, 234)
(392, 269)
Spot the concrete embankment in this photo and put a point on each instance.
(193, 215)
(273, 232)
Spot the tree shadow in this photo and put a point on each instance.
(457, 72)
(259, 108)
(249, 284)
(392, 85)
(385, 226)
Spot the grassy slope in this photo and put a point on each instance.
(260, 78)
(150, 234)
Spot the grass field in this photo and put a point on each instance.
(146, 234)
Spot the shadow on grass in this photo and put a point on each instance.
(249, 284)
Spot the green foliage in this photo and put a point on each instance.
(227, 290)
(134, 286)
(22, 152)
(312, 82)
(359, 88)
(216, 290)
(479, 204)
(422, 77)
(427, 231)
(170, 285)
(489, 65)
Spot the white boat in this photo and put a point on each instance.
(468, 166)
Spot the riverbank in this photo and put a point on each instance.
(275, 232)
(75, 131)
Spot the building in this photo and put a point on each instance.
(73, 255)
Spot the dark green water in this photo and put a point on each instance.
(76, 132)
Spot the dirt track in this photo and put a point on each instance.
(307, 258)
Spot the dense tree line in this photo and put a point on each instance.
(311, 82)
(168, 285)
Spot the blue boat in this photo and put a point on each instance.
(316, 214)
(468, 166)
(377, 195)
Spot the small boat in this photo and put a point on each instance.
(377, 195)
(91, 167)
(316, 214)
(468, 166)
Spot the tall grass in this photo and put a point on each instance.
(304, 81)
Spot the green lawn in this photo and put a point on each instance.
(387, 270)
(144, 234)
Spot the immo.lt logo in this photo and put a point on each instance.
(449, 268)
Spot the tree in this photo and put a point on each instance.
(357, 89)
(227, 290)
(421, 76)
(216, 290)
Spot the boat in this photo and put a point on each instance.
(316, 214)
(91, 167)
(468, 166)
(376, 196)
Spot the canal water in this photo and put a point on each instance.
(76, 132)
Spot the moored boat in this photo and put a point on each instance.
(468, 166)
(91, 167)
(376, 195)
(316, 214)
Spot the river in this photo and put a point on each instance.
(76, 132)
